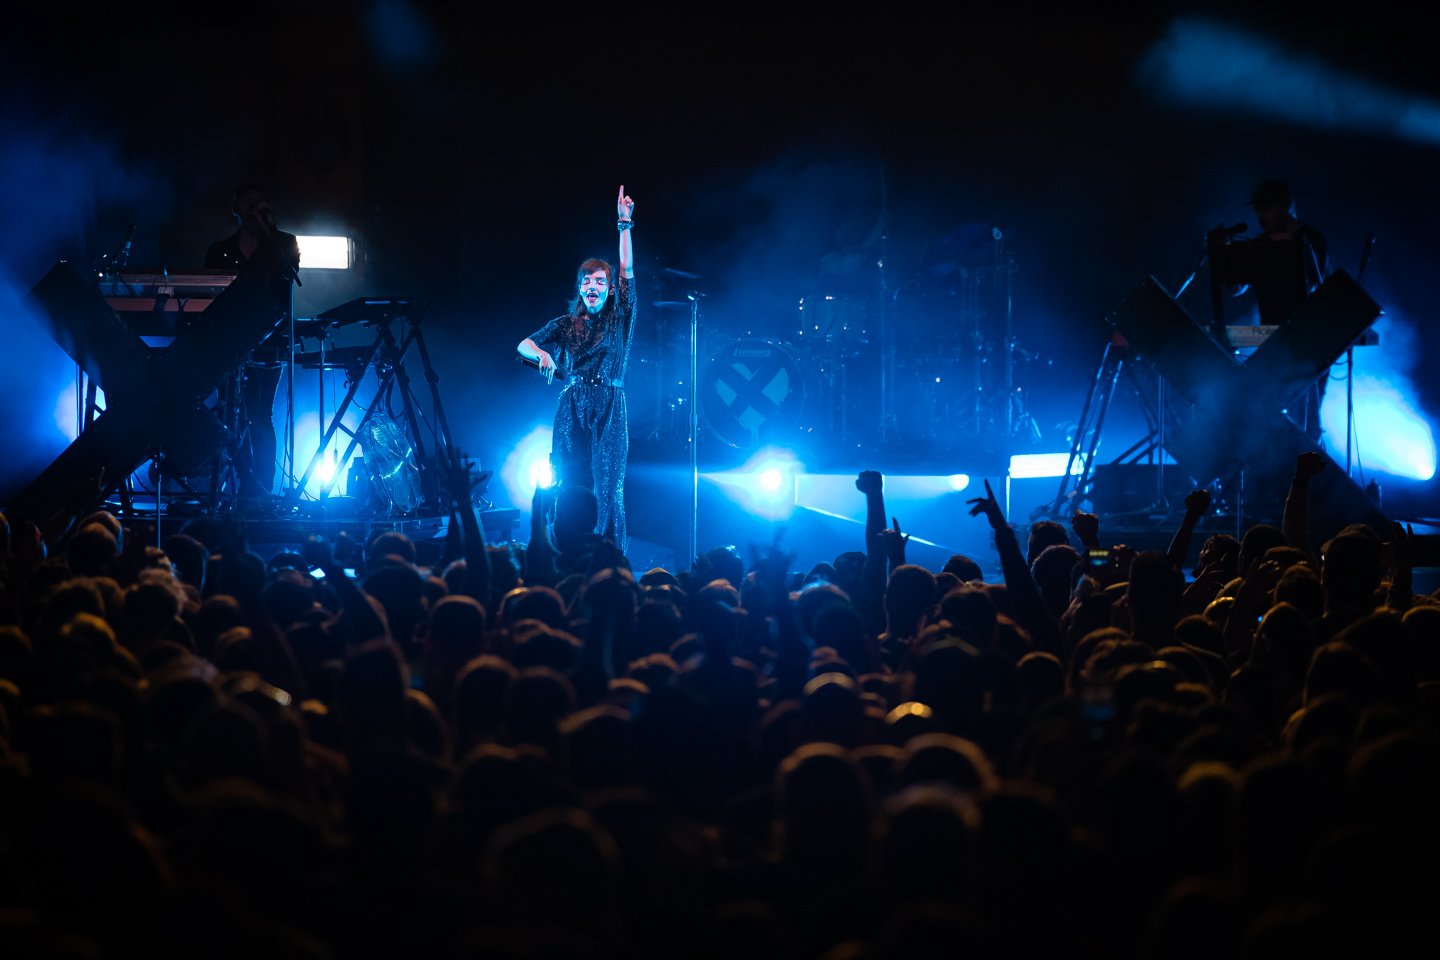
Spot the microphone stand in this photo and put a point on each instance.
(694, 401)
(1350, 365)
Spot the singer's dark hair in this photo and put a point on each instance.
(582, 331)
(248, 186)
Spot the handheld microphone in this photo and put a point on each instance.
(535, 364)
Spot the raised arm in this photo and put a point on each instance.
(873, 574)
(1197, 502)
(1028, 605)
(477, 559)
(624, 210)
(540, 570)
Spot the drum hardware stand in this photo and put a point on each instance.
(1017, 414)
(887, 348)
(1007, 365)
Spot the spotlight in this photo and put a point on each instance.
(915, 496)
(528, 466)
(324, 253)
(765, 484)
(542, 473)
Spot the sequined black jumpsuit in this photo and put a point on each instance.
(592, 432)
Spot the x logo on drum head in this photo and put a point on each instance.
(751, 387)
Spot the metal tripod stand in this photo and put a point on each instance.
(387, 356)
(1076, 485)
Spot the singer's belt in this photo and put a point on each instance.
(594, 382)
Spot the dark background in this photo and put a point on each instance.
(475, 160)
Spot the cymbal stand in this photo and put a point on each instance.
(887, 347)
(1018, 418)
(974, 347)
(1004, 264)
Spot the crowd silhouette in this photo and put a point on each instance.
(541, 752)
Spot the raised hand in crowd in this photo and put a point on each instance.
(990, 507)
(1197, 504)
(1308, 465)
(1086, 527)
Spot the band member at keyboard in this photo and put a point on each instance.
(258, 245)
(1278, 295)
(591, 344)
(1281, 267)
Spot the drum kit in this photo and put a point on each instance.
(843, 367)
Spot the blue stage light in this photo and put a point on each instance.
(1392, 437)
(920, 501)
(528, 466)
(1206, 63)
(765, 484)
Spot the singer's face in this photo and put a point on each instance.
(594, 291)
(1272, 216)
(250, 207)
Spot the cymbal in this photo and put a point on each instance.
(970, 244)
(682, 274)
(671, 304)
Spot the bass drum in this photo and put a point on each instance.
(753, 393)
